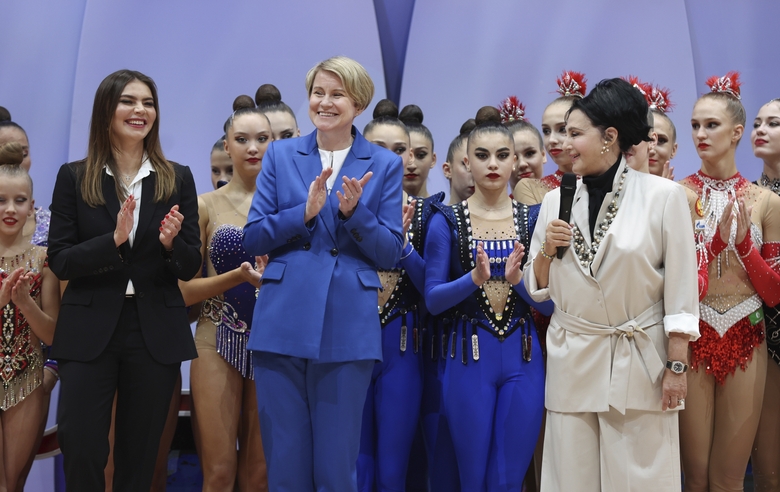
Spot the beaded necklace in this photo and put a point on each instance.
(585, 254)
(771, 184)
(714, 195)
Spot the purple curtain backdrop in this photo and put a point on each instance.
(460, 55)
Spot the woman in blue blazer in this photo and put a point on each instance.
(316, 333)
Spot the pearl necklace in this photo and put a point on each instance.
(584, 253)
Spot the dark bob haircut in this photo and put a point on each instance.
(615, 103)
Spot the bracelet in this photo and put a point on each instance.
(544, 254)
(411, 250)
(52, 371)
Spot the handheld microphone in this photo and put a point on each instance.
(568, 187)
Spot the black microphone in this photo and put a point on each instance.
(568, 187)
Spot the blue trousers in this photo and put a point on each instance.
(391, 414)
(310, 416)
(442, 465)
(494, 407)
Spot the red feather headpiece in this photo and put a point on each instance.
(572, 84)
(658, 98)
(728, 84)
(511, 110)
(642, 87)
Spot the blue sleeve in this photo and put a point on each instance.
(381, 233)
(414, 266)
(546, 307)
(267, 227)
(441, 293)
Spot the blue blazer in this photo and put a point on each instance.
(319, 295)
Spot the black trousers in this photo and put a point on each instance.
(143, 387)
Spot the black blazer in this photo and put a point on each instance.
(82, 251)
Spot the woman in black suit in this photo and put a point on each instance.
(124, 229)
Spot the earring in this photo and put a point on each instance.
(605, 147)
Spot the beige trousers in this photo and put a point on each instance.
(610, 452)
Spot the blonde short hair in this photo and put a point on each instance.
(357, 82)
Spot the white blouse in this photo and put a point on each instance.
(135, 188)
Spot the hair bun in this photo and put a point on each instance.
(11, 153)
(267, 93)
(467, 126)
(5, 115)
(488, 115)
(385, 109)
(243, 102)
(411, 115)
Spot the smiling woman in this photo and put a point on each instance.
(124, 229)
(315, 330)
(627, 225)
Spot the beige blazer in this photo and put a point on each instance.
(607, 339)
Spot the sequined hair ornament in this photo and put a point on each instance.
(511, 109)
(642, 87)
(658, 98)
(572, 84)
(728, 84)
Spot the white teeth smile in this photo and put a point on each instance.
(327, 114)
(136, 122)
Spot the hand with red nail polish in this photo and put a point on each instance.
(171, 225)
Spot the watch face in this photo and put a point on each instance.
(678, 367)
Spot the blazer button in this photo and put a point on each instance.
(353, 231)
(334, 252)
(140, 294)
(307, 246)
(359, 239)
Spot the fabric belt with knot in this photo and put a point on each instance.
(631, 330)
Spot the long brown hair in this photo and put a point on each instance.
(101, 150)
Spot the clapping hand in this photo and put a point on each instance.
(318, 193)
(408, 216)
(20, 291)
(124, 221)
(170, 227)
(481, 271)
(512, 270)
(7, 285)
(743, 221)
(353, 190)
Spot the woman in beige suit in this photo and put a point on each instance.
(621, 299)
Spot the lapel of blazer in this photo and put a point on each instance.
(599, 257)
(579, 215)
(148, 206)
(109, 195)
(307, 161)
(356, 164)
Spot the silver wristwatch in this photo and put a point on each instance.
(676, 366)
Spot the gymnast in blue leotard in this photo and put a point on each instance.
(392, 409)
(493, 386)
